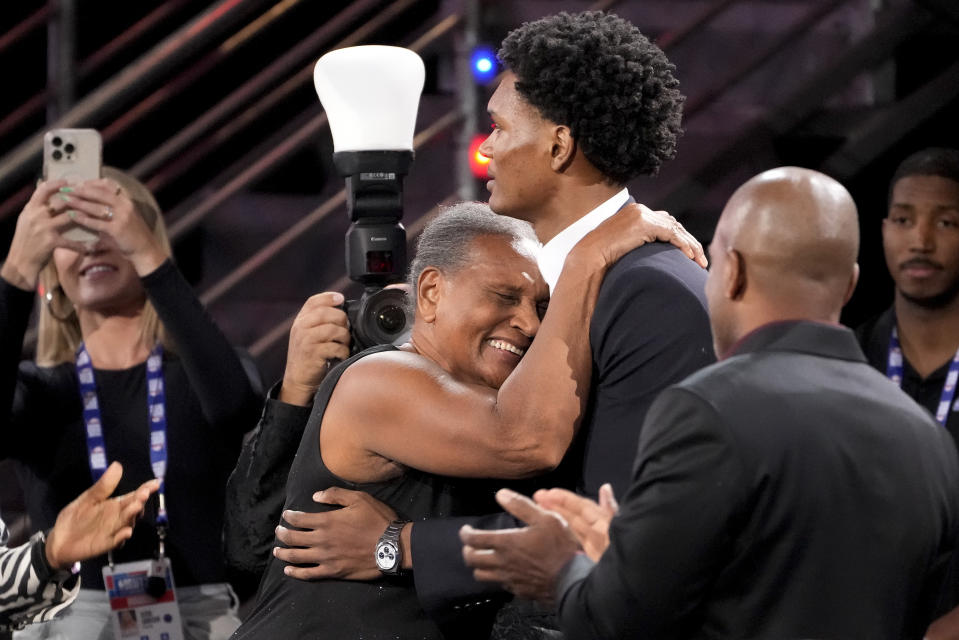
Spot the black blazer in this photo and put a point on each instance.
(650, 329)
(790, 491)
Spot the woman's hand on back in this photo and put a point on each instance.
(635, 225)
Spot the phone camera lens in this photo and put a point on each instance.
(57, 154)
(57, 141)
(69, 148)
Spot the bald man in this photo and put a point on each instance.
(788, 491)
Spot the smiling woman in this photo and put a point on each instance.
(121, 334)
(493, 280)
(102, 275)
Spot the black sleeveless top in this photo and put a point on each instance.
(386, 608)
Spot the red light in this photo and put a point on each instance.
(478, 162)
(379, 261)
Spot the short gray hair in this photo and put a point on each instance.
(446, 241)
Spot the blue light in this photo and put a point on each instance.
(483, 63)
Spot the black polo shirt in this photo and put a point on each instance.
(874, 338)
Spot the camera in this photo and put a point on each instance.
(376, 244)
(371, 94)
(380, 316)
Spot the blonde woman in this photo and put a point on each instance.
(129, 367)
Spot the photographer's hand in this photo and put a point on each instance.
(340, 543)
(320, 333)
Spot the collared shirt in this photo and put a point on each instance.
(874, 338)
(553, 254)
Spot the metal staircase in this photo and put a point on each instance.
(211, 104)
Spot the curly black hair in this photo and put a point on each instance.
(932, 161)
(597, 74)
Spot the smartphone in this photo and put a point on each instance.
(73, 155)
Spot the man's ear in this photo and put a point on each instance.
(428, 293)
(853, 280)
(563, 150)
(734, 275)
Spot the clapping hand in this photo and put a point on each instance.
(94, 523)
(588, 520)
(526, 560)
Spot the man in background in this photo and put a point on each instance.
(916, 341)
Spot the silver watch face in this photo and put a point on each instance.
(386, 555)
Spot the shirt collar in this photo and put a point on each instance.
(824, 339)
(553, 254)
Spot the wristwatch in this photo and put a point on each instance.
(388, 554)
(42, 565)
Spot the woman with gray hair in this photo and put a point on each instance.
(446, 240)
(422, 426)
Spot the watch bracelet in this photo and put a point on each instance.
(392, 535)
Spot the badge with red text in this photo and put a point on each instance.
(143, 601)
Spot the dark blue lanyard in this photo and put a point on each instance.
(894, 373)
(156, 413)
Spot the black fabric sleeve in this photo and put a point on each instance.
(228, 391)
(675, 524)
(444, 584)
(15, 307)
(256, 490)
(576, 570)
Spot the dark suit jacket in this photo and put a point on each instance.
(650, 329)
(790, 491)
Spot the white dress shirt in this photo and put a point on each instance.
(553, 254)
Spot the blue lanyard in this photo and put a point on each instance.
(894, 373)
(156, 410)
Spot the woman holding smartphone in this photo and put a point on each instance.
(129, 367)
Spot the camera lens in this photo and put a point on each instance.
(57, 154)
(69, 148)
(57, 141)
(380, 317)
(391, 319)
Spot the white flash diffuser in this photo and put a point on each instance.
(370, 94)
